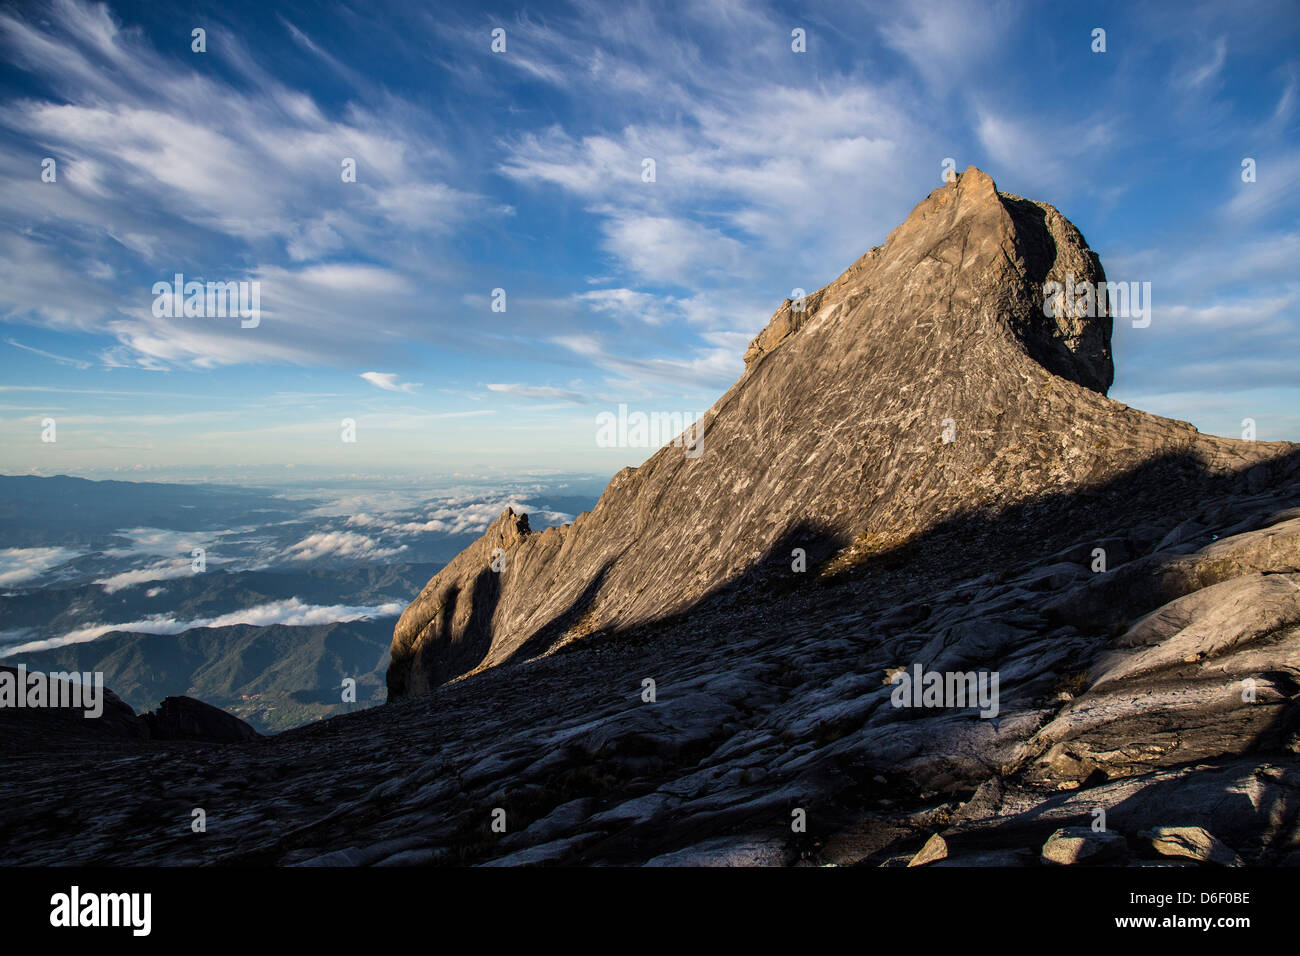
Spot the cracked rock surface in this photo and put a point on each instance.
(769, 699)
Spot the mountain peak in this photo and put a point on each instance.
(926, 382)
(967, 224)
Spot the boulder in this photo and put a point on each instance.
(936, 848)
(1073, 845)
(1191, 843)
(184, 718)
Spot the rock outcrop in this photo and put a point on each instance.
(34, 728)
(59, 725)
(924, 383)
(184, 718)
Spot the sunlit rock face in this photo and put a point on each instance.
(927, 381)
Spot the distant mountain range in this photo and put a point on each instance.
(66, 511)
(273, 677)
(293, 594)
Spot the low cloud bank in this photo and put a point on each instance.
(291, 612)
(162, 571)
(456, 518)
(18, 565)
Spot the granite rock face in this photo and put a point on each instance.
(922, 384)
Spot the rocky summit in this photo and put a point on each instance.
(914, 591)
(924, 385)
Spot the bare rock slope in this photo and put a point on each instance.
(922, 384)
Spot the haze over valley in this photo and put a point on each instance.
(259, 600)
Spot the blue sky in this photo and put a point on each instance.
(522, 171)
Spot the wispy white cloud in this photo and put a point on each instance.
(1205, 67)
(1274, 191)
(714, 365)
(538, 392)
(61, 359)
(388, 382)
(773, 171)
(162, 571)
(946, 40)
(1039, 151)
(161, 164)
